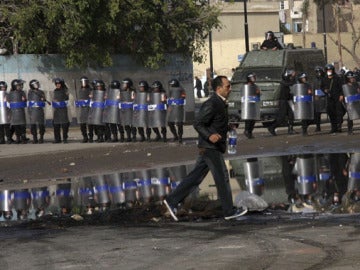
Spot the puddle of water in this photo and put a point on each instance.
(306, 183)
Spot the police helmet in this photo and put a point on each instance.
(3, 85)
(349, 75)
(288, 73)
(84, 81)
(59, 81)
(144, 84)
(34, 84)
(15, 83)
(249, 76)
(98, 84)
(330, 67)
(115, 84)
(174, 83)
(302, 75)
(270, 34)
(128, 82)
(157, 84)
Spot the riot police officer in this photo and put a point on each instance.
(60, 111)
(140, 113)
(307, 98)
(288, 79)
(332, 85)
(175, 110)
(82, 105)
(112, 112)
(36, 98)
(4, 115)
(157, 110)
(97, 97)
(271, 42)
(320, 98)
(351, 92)
(255, 99)
(17, 100)
(127, 95)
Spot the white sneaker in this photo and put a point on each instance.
(172, 211)
(238, 213)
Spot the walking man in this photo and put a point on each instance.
(212, 125)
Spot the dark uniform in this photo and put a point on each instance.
(82, 105)
(37, 99)
(332, 85)
(60, 111)
(320, 101)
(352, 100)
(17, 100)
(271, 42)
(175, 110)
(4, 115)
(284, 106)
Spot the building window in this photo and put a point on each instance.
(298, 27)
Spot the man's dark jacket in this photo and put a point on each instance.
(212, 118)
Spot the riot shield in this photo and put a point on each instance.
(352, 100)
(160, 181)
(111, 107)
(254, 176)
(140, 112)
(303, 102)
(82, 105)
(143, 180)
(306, 174)
(36, 106)
(17, 104)
(176, 103)
(126, 107)
(116, 190)
(60, 107)
(157, 110)
(354, 172)
(250, 103)
(320, 101)
(4, 109)
(96, 108)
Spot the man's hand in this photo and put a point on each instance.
(214, 138)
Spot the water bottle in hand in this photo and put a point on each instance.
(232, 141)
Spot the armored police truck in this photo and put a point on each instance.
(269, 67)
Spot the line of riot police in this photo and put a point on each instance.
(304, 101)
(115, 114)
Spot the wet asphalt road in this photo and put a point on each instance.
(256, 241)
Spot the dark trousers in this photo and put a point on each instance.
(87, 130)
(249, 126)
(198, 93)
(336, 112)
(284, 111)
(209, 159)
(5, 131)
(57, 130)
(20, 131)
(34, 128)
(180, 129)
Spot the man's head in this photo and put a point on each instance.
(222, 86)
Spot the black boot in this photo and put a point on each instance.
(85, 139)
(35, 139)
(122, 137)
(41, 139)
(291, 129)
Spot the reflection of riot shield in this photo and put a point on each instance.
(354, 172)
(176, 104)
(96, 108)
(352, 100)
(64, 197)
(160, 181)
(117, 194)
(111, 107)
(157, 110)
(250, 103)
(254, 176)
(306, 175)
(40, 200)
(126, 108)
(86, 195)
(36, 105)
(303, 102)
(140, 113)
(101, 192)
(4, 110)
(60, 106)
(82, 105)
(177, 173)
(320, 101)
(6, 201)
(143, 180)
(130, 188)
(17, 107)
(22, 201)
